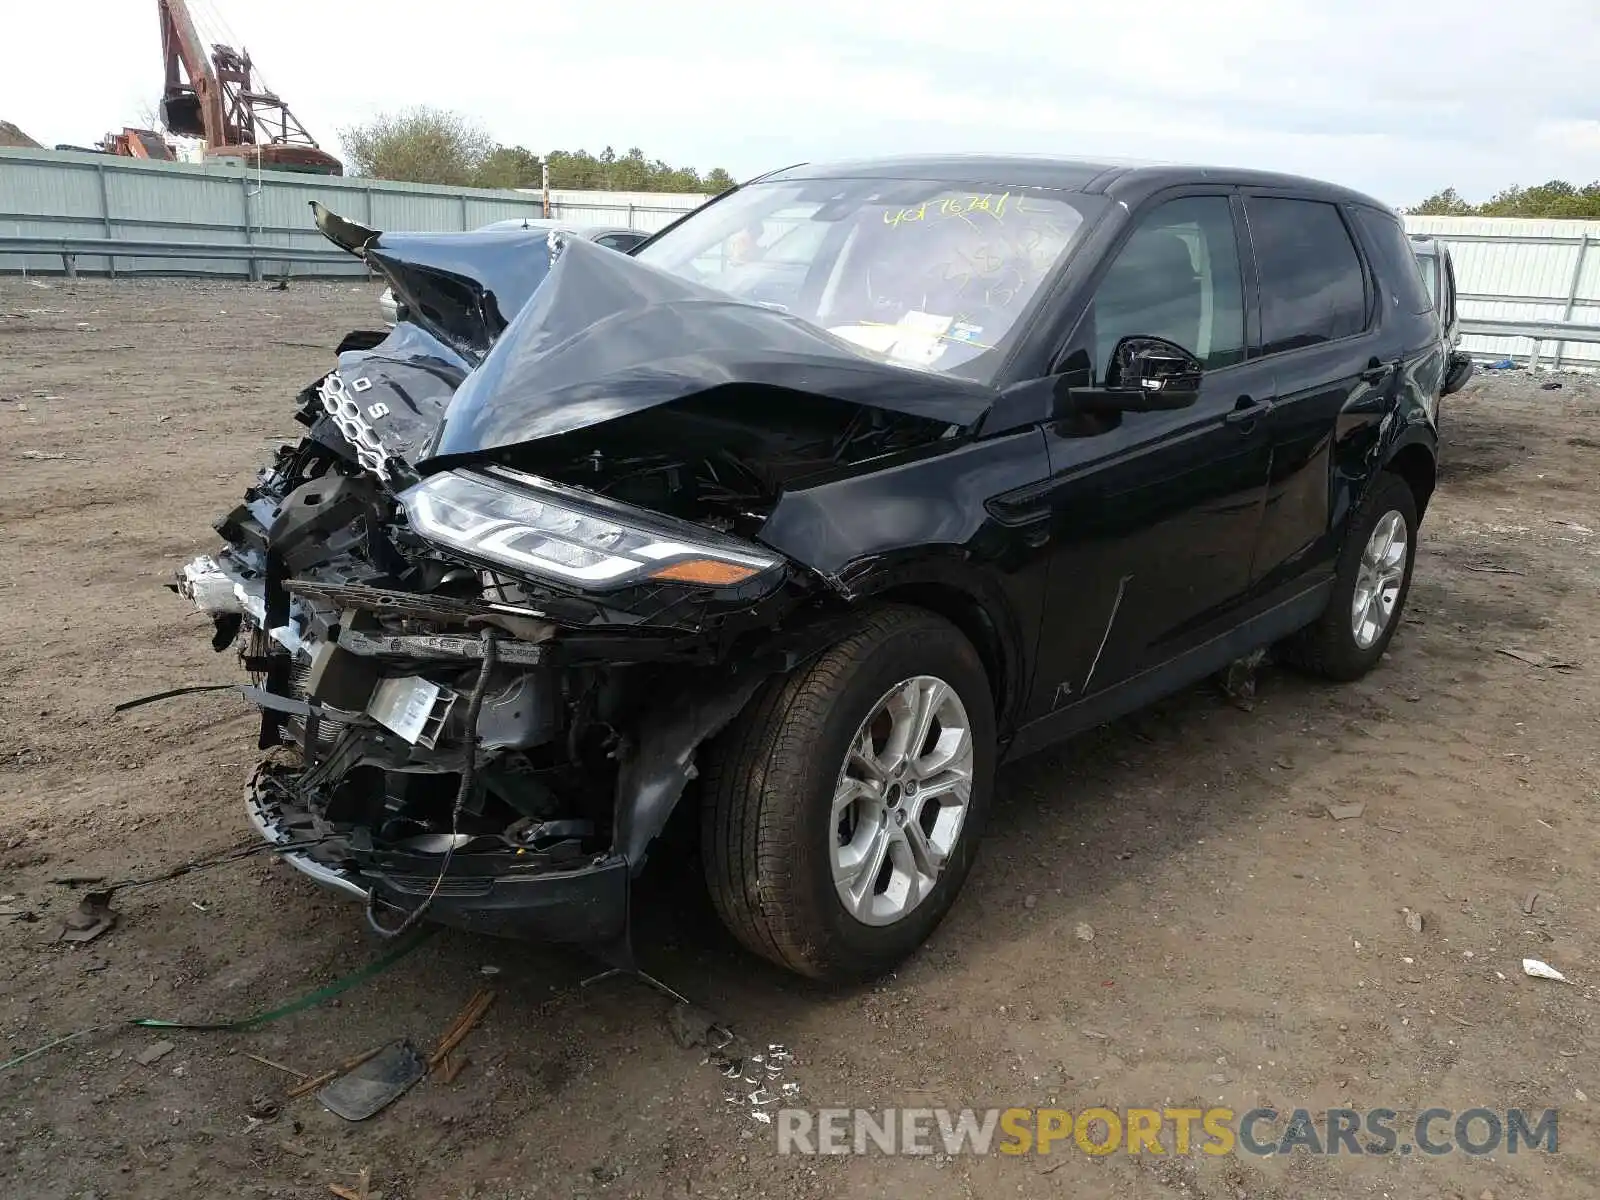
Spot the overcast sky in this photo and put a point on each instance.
(1396, 97)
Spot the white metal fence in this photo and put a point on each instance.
(63, 210)
(1523, 272)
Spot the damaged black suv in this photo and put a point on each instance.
(850, 485)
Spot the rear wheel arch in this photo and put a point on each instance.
(1415, 463)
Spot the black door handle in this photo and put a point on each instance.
(1247, 411)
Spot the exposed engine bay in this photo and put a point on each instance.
(483, 677)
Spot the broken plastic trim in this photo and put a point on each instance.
(652, 779)
(342, 232)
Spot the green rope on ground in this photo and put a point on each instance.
(311, 999)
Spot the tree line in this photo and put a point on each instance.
(1558, 198)
(430, 145)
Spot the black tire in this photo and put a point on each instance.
(768, 787)
(1329, 648)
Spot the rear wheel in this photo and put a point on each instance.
(1370, 586)
(842, 810)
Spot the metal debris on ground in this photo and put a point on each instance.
(1529, 901)
(692, 1025)
(764, 1071)
(1535, 659)
(1542, 970)
(1083, 931)
(41, 455)
(1413, 920)
(154, 1053)
(1551, 386)
(376, 1083)
(1345, 812)
(93, 916)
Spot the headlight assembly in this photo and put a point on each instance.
(537, 527)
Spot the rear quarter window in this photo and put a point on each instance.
(1400, 277)
(1313, 289)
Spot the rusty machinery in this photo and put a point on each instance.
(138, 143)
(214, 97)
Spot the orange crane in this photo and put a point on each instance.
(214, 97)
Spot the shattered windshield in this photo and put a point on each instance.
(927, 274)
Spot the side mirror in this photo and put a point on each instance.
(1146, 374)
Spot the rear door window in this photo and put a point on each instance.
(1400, 275)
(1313, 289)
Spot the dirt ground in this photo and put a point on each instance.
(1246, 948)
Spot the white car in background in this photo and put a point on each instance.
(612, 237)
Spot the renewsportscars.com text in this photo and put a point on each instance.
(1178, 1131)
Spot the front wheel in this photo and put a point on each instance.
(843, 809)
(1370, 585)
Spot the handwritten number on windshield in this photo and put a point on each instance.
(950, 206)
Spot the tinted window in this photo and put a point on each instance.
(1177, 277)
(1312, 286)
(1400, 275)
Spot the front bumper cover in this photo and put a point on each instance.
(585, 905)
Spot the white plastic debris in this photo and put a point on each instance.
(1541, 970)
(204, 582)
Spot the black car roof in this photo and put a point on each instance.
(1123, 179)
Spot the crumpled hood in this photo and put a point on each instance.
(463, 288)
(511, 349)
(606, 335)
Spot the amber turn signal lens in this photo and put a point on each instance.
(705, 570)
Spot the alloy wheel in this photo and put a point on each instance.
(901, 800)
(1379, 579)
